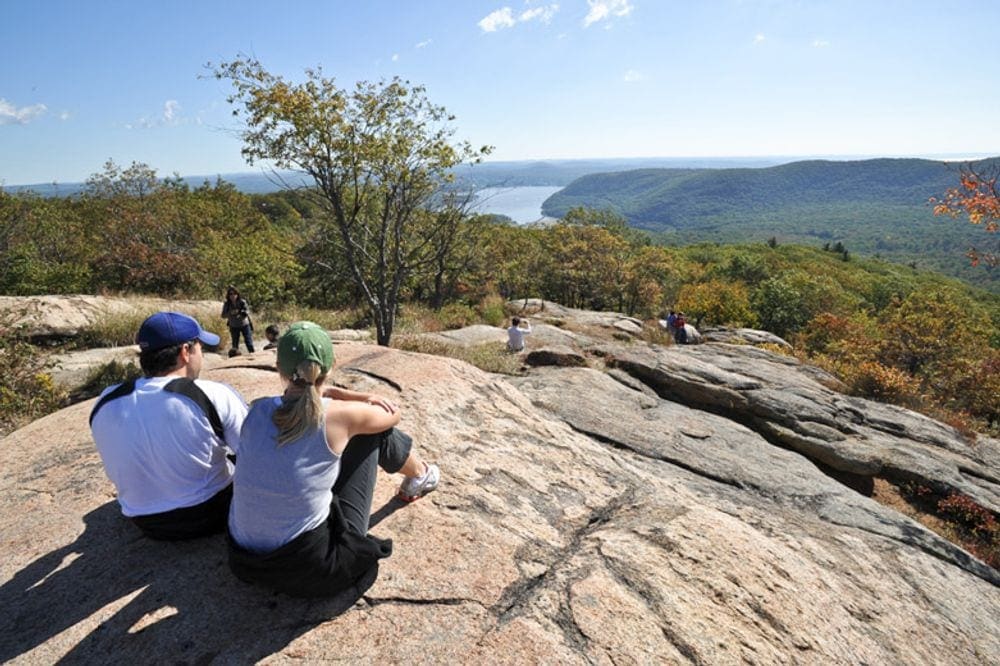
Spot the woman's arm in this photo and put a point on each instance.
(337, 393)
(344, 420)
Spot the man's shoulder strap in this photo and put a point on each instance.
(188, 388)
(123, 389)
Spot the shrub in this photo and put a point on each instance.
(456, 315)
(113, 372)
(27, 391)
(489, 357)
(491, 309)
(871, 379)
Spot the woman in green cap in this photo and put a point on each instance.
(305, 477)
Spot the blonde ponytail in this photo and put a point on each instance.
(302, 410)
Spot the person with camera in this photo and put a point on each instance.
(236, 311)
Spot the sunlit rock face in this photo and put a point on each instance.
(654, 504)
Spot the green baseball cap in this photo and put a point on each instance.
(304, 341)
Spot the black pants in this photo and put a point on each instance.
(189, 522)
(355, 486)
(339, 554)
(247, 332)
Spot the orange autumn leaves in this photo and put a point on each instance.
(978, 198)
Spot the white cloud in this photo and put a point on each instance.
(633, 76)
(543, 14)
(11, 115)
(604, 9)
(395, 57)
(426, 42)
(820, 43)
(65, 115)
(758, 38)
(169, 117)
(170, 109)
(504, 17)
(501, 18)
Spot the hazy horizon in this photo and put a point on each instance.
(773, 160)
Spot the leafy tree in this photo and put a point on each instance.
(587, 266)
(145, 241)
(379, 156)
(747, 268)
(931, 330)
(978, 197)
(715, 302)
(780, 305)
(43, 246)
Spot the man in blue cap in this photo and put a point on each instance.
(165, 439)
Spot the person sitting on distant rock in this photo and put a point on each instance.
(164, 438)
(515, 334)
(306, 477)
(236, 312)
(272, 333)
(680, 330)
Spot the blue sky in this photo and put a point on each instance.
(83, 82)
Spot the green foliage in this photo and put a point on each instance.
(872, 206)
(27, 391)
(130, 229)
(379, 156)
(113, 372)
(491, 310)
(780, 305)
(717, 303)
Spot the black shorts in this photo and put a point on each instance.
(189, 522)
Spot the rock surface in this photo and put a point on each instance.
(66, 316)
(668, 508)
(750, 336)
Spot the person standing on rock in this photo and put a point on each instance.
(680, 329)
(303, 488)
(164, 438)
(515, 334)
(236, 312)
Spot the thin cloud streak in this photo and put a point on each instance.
(11, 115)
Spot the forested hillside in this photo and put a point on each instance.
(888, 330)
(872, 207)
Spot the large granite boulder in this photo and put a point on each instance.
(61, 317)
(550, 312)
(654, 513)
(748, 336)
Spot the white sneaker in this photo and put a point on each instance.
(415, 487)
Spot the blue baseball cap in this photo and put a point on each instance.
(165, 329)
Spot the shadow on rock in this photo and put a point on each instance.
(117, 596)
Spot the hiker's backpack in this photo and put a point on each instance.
(181, 385)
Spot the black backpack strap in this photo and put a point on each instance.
(123, 389)
(188, 388)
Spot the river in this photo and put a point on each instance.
(521, 204)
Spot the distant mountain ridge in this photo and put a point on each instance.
(877, 206)
(516, 173)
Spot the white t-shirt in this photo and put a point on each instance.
(515, 337)
(158, 447)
